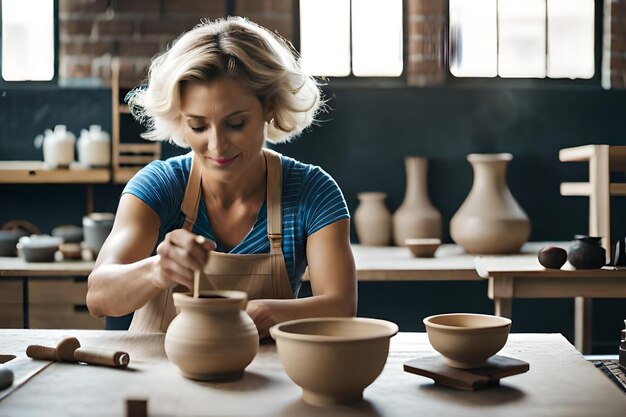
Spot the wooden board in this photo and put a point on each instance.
(435, 368)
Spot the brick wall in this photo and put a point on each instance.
(91, 33)
(427, 23)
(614, 44)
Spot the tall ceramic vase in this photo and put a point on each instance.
(416, 217)
(372, 219)
(490, 221)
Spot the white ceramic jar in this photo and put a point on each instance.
(58, 146)
(94, 147)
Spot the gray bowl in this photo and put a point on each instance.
(8, 241)
(69, 233)
(39, 248)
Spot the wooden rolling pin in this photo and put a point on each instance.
(105, 357)
(69, 349)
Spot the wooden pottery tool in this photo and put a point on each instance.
(435, 368)
(197, 275)
(68, 349)
(63, 351)
(136, 407)
(99, 356)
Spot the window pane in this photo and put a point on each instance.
(570, 38)
(473, 38)
(27, 40)
(377, 38)
(325, 37)
(522, 37)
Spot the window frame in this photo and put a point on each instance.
(548, 83)
(54, 82)
(352, 80)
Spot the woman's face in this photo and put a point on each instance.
(224, 124)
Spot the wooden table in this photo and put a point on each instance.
(523, 277)
(560, 383)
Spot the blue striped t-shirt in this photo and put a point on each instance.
(311, 200)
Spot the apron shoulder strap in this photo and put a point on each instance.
(274, 197)
(191, 200)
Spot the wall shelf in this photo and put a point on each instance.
(36, 172)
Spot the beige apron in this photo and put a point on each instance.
(261, 275)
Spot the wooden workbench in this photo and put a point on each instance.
(560, 383)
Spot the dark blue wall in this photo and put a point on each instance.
(362, 142)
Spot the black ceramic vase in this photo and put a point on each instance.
(586, 253)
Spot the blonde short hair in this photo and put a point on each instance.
(236, 48)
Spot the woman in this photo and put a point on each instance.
(249, 218)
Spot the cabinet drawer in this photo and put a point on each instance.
(57, 291)
(11, 310)
(11, 291)
(11, 316)
(62, 316)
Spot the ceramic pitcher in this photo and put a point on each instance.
(490, 221)
(372, 219)
(212, 338)
(416, 217)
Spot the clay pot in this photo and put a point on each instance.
(212, 338)
(490, 221)
(416, 217)
(96, 229)
(372, 219)
(585, 252)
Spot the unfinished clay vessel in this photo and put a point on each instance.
(416, 217)
(212, 338)
(372, 219)
(333, 359)
(490, 221)
(467, 340)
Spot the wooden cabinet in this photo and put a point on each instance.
(53, 303)
(11, 306)
(59, 303)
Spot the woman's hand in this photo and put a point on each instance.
(179, 255)
(261, 314)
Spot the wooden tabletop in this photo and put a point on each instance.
(373, 263)
(560, 383)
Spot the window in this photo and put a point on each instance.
(522, 39)
(28, 40)
(340, 38)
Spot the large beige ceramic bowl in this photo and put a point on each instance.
(467, 340)
(333, 359)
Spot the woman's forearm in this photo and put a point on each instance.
(119, 289)
(327, 305)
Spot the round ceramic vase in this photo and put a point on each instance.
(212, 338)
(372, 219)
(490, 221)
(416, 217)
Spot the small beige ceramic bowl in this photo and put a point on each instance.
(423, 248)
(333, 359)
(467, 340)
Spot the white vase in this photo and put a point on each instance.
(372, 219)
(416, 217)
(490, 221)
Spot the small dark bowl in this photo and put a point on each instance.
(552, 257)
(8, 241)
